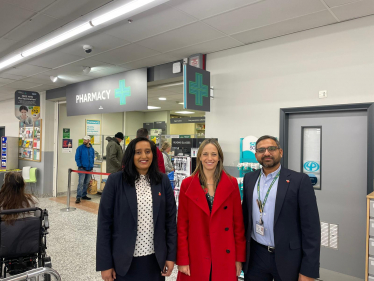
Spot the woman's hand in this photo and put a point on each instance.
(168, 268)
(239, 267)
(184, 269)
(108, 275)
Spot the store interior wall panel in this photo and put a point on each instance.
(251, 83)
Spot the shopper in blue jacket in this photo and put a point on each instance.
(84, 156)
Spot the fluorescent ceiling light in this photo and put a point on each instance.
(162, 98)
(180, 102)
(185, 112)
(153, 107)
(124, 9)
(53, 78)
(10, 61)
(55, 40)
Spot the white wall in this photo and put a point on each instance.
(8, 119)
(253, 82)
(111, 123)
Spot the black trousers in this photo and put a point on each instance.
(143, 269)
(261, 265)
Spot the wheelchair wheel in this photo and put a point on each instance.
(47, 263)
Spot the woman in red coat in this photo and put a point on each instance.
(211, 242)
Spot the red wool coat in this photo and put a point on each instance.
(205, 239)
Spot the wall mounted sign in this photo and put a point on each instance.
(187, 120)
(93, 128)
(160, 125)
(66, 133)
(196, 89)
(148, 126)
(126, 91)
(27, 106)
(182, 142)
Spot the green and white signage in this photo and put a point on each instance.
(126, 91)
(196, 88)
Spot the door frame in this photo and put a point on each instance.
(368, 107)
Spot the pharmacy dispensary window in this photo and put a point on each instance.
(311, 154)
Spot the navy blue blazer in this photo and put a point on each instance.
(297, 229)
(118, 219)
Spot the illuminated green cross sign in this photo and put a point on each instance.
(198, 89)
(122, 92)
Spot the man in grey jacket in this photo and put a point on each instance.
(114, 153)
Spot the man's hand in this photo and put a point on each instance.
(184, 269)
(168, 268)
(108, 275)
(239, 267)
(304, 278)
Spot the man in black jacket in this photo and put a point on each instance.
(281, 220)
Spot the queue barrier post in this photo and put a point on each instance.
(68, 208)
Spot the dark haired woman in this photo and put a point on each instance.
(23, 117)
(13, 196)
(211, 241)
(137, 232)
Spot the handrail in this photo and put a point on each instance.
(33, 273)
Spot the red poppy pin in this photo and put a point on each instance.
(159, 194)
(287, 181)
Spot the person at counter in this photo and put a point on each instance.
(114, 153)
(165, 149)
(84, 157)
(143, 133)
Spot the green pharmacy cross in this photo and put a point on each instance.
(198, 89)
(122, 92)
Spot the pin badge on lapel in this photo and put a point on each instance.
(287, 181)
(159, 194)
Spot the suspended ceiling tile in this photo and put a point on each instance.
(334, 3)
(33, 5)
(74, 8)
(39, 79)
(6, 95)
(125, 54)
(11, 16)
(53, 59)
(46, 87)
(22, 85)
(35, 27)
(70, 79)
(263, 13)
(160, 93)
(205, 8)
(149, 23)
(11, 76)
(181, 37)
(5, 44)
(25, 70)
(4, 81)
(149, 62)
(354, 10)
(99, 42)
(286, 27)
(207, 47)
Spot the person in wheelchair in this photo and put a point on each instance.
(23, 229)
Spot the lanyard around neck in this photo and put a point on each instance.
(261, 205)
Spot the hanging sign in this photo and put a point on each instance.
(93, 129)
(126, 91)
(27, 106)
(196, 89)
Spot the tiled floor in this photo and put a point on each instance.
(72, 239)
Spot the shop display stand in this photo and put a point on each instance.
(182, 166)
(30, 141)
(9, 159)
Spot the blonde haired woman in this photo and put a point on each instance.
(165, 149)
(211, 242)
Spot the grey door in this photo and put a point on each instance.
(342, 197)
(2, 132)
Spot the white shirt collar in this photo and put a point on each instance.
(273, 174)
